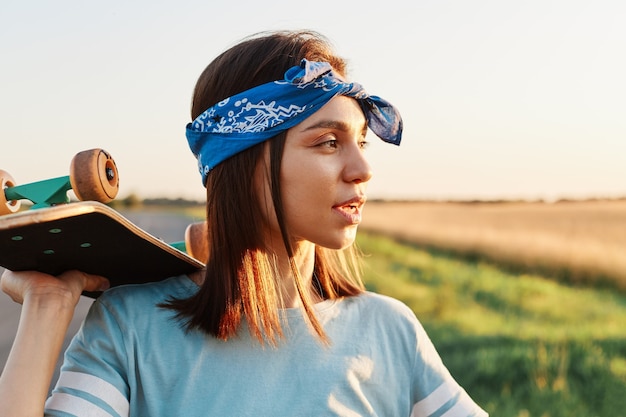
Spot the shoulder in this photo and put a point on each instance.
(139, 296)
(382, 315)
(374, 304)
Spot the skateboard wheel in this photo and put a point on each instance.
(196, 241)
(7, 206)
(93, 175)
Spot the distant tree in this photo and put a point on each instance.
(132, 200)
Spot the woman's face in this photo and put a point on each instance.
(323, 176)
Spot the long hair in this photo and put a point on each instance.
(240, 281)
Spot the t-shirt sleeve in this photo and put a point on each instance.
(436, 391)
(93, 377)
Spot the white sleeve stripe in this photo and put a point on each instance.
(456, 410)
(435, 400)
(463, 407)
(97, 387)
(74, 405)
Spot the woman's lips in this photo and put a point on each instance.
(350, 209)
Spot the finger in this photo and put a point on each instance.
(96, 283)
(81, 281)
(10, 286)
(17, 284)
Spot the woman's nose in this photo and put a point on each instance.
(358, 168)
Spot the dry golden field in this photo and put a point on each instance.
(577, 241)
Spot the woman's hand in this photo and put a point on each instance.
(48, 305)
(66, 287)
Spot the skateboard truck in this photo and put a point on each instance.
(44, 193)
(93, 176)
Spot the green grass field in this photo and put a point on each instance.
(521, 345)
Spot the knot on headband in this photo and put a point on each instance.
(260, 113)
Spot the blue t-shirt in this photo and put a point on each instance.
(133, 358)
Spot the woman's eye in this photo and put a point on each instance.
(364, 144)
(331, 144)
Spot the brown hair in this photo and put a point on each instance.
(240, 276)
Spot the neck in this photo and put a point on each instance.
(304, 260)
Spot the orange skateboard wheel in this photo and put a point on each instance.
(196, 241)
(7, 206)
(93, 175)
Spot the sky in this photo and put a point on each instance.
(500, 99)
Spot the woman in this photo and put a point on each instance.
(279, 323)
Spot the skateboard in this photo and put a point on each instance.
(55, 234)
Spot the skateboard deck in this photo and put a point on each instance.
(91, 237)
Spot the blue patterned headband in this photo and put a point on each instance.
(258, 114)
